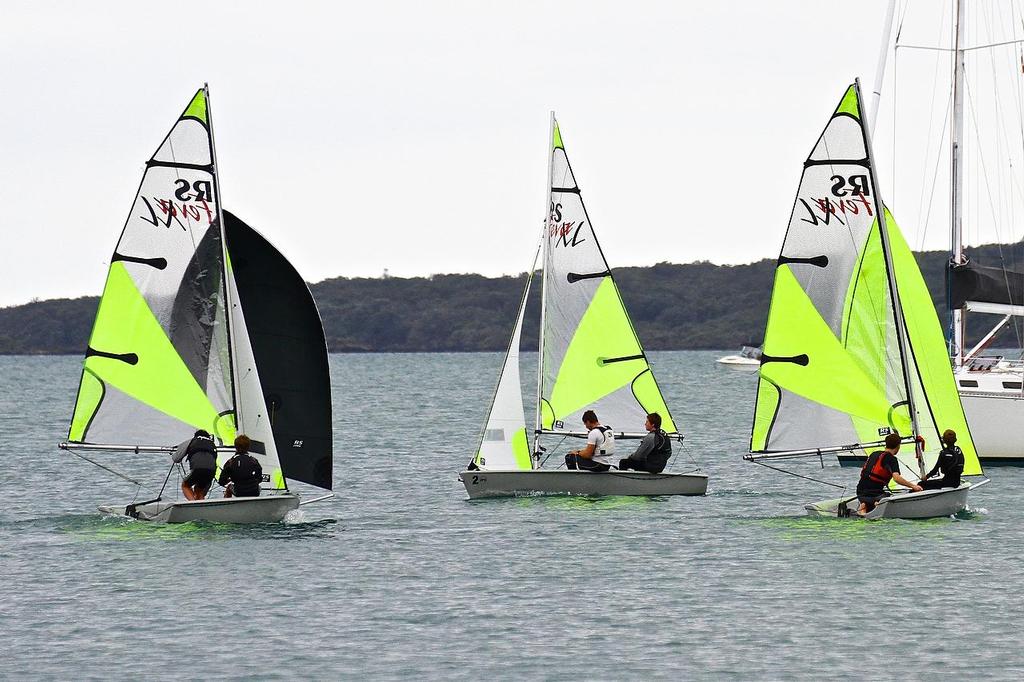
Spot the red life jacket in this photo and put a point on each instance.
(875, 470)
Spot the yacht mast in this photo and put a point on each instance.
(957, 177)
(544, 292)
(883, 55)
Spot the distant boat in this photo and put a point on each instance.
(203, 324)
(853, 349)
(590, 358)
(748, 360)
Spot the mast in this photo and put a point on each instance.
(543, 290)
(883, 55)
(894, 294)
(957, 177)
(235, 388)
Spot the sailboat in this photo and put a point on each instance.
(203, 324)
(590, 357)
(853, 348)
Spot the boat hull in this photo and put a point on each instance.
(927, 504)
(988, 416)
(263, 509)
(739, 363)
(564, 482)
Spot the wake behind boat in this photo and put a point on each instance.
(853, 349)
(203, 324)
(590, 359)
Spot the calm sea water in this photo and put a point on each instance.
(400, 576)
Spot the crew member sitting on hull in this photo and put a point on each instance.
(241, 475)
(881, 467)
(201, 454)
(950, 463)
(654, 450)
(597, 456)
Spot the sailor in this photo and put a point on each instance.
(241, 475)
(950, 463)
(201, 454)
(881, 467)
(600, 447)
(654, 450)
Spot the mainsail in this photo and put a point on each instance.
(848, 358)
(591, 357)
(158, 362)
(170, 351)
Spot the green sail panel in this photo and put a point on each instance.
(938, 404)
(591, 355)
(158, 365)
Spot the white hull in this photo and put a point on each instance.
(994, 421)
(564, 482)
(740, 363)
(927, 504)
(264, 509)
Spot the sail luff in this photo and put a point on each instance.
(894, 296)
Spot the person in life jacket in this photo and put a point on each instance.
(654, 450)
(597, 456)
(201, 454)
(880, 468)
(950, 463)
(241, 475)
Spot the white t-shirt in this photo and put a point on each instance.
(602, 441)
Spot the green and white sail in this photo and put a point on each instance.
(591, 357)
(504, 443)
(167, 355)
(848, 357)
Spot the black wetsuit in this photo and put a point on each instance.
(652, 455)
(245, 472)
(875, 476)
(202, 463)
(951, 464)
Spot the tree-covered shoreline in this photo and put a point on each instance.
(673, 306)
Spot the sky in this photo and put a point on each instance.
(412, 137)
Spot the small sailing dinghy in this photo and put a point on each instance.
(853, 348)
(203, 324)
(590, 358)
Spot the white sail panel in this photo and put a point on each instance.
(591, 356)
(159, 338)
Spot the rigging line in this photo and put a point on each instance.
(116, 473)
(793, 473)
(938, 147)
(552, 451)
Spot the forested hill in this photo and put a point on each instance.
(697, 305)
